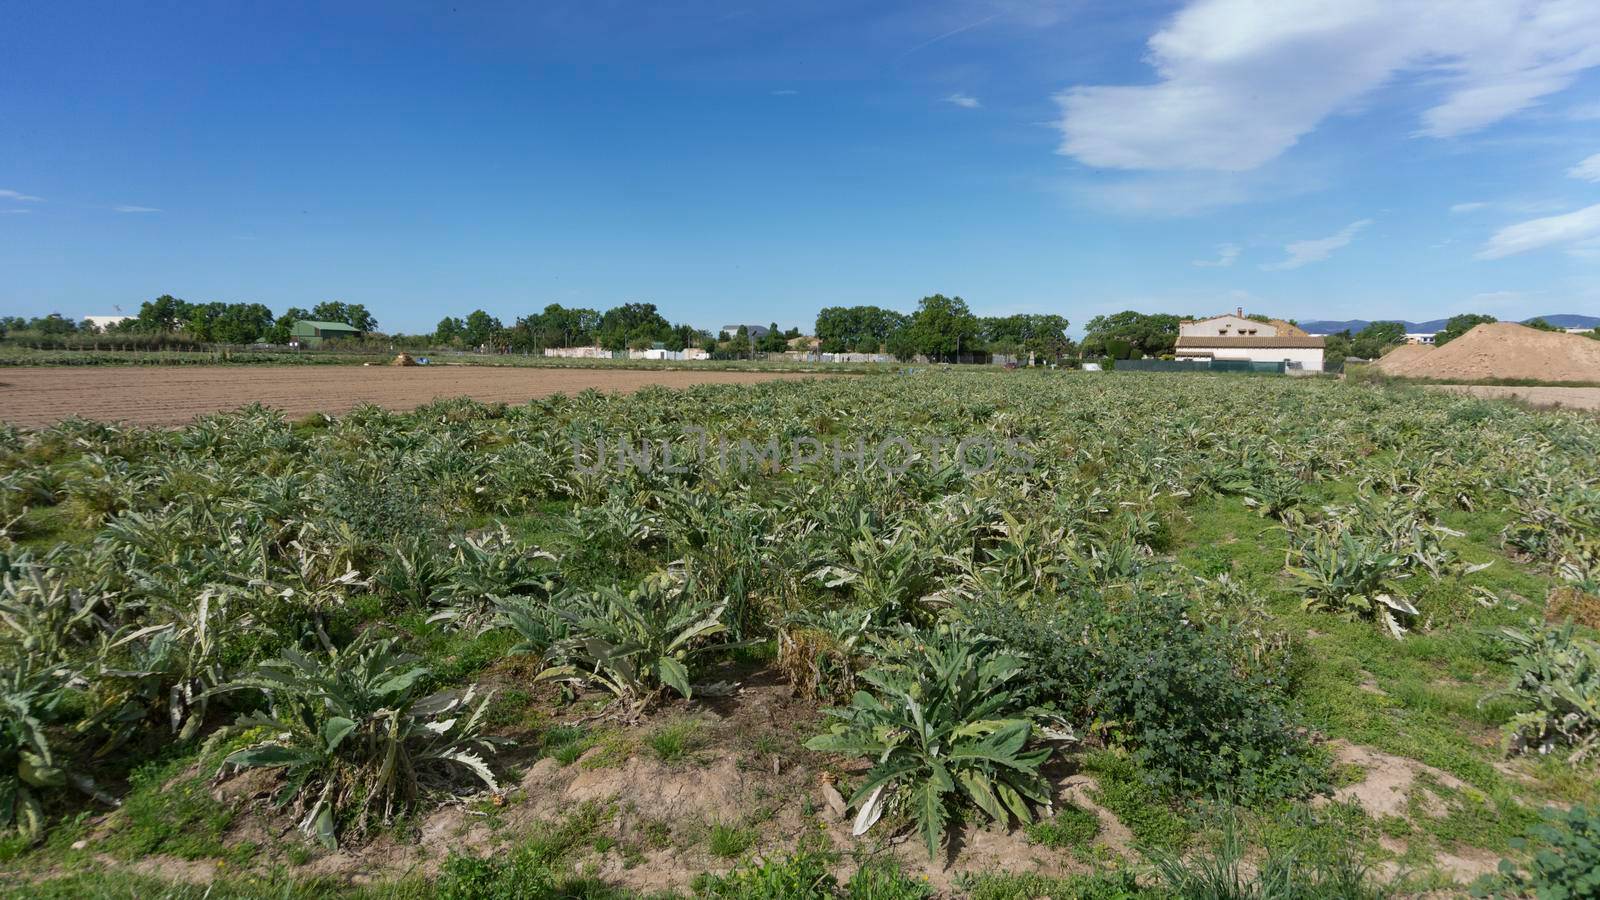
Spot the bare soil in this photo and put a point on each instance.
(32, 397)
(1501, 350)
(1548, 397)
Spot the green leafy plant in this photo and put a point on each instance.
(352, 737)
(44, 616)
(29, 766)
(638, 643)
(1558, 685)
(1350, 575)
(944, 727)
(165, 671)
(481, 570)
(1564, 864)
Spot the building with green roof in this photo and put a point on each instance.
(312, 334)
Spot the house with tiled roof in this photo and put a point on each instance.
(1236, 336)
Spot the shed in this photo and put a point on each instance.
(311, 333)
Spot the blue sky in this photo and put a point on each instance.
(739, 161)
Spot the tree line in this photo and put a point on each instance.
(940, 328)
(210, 323)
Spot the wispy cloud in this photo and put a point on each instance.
(1303, 252)
(19, 197)
(786, 92)
(1236, 88)
(1577, 230)
(1226, 255)
(1588, 170)
(1474, 206)
(948, 34)
(135, 209)
(15, 212)
(965, 101)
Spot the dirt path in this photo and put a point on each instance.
(1563, 397)
(173, 396)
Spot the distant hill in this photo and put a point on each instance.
(1564, 320)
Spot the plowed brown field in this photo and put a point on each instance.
(175, 395)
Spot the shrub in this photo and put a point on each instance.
(944, 726)
(1201, 710)
(1566, 867)
(353, 738)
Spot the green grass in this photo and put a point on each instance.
(729, 841)
(168, 813)
(1070, 827)
(1152, 819)
(1115, 885)
(674, 740)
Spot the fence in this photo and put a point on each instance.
(1200, 365)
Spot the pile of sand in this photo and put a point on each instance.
(403, 359)
(1400, 357)
(1501, 350)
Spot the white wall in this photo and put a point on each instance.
(1309, 358)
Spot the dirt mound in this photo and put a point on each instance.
(1504, 350)
(1396, 360)
(403, 359)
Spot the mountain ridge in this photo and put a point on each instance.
(1329, 326)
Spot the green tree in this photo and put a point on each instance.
(353, 314)
(1043, 336)
(857, 329)
(630, 322)
(1539, 324)
(1376, 338)
(165, 313)
(449, 330)
(280, 331)
(773, 341)
(1459, 325)
(1152, 334)
(480, 329)
(942, 327)
(1336, 347)
(241, 323)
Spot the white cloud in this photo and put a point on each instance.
(1588, 170)
(1226, 255)
(1241, 81)
(1303, 252)
(1460, 208)
(785, 93)
(15, 212)
(19, 196)
(1577, 229)
(965, 101)
(135, 209)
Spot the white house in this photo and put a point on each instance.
(1238, 337)
(101, 323)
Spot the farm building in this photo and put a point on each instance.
(1238, 337)
(311, 333)
(101, 323)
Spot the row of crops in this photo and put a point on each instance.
(269, 589)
